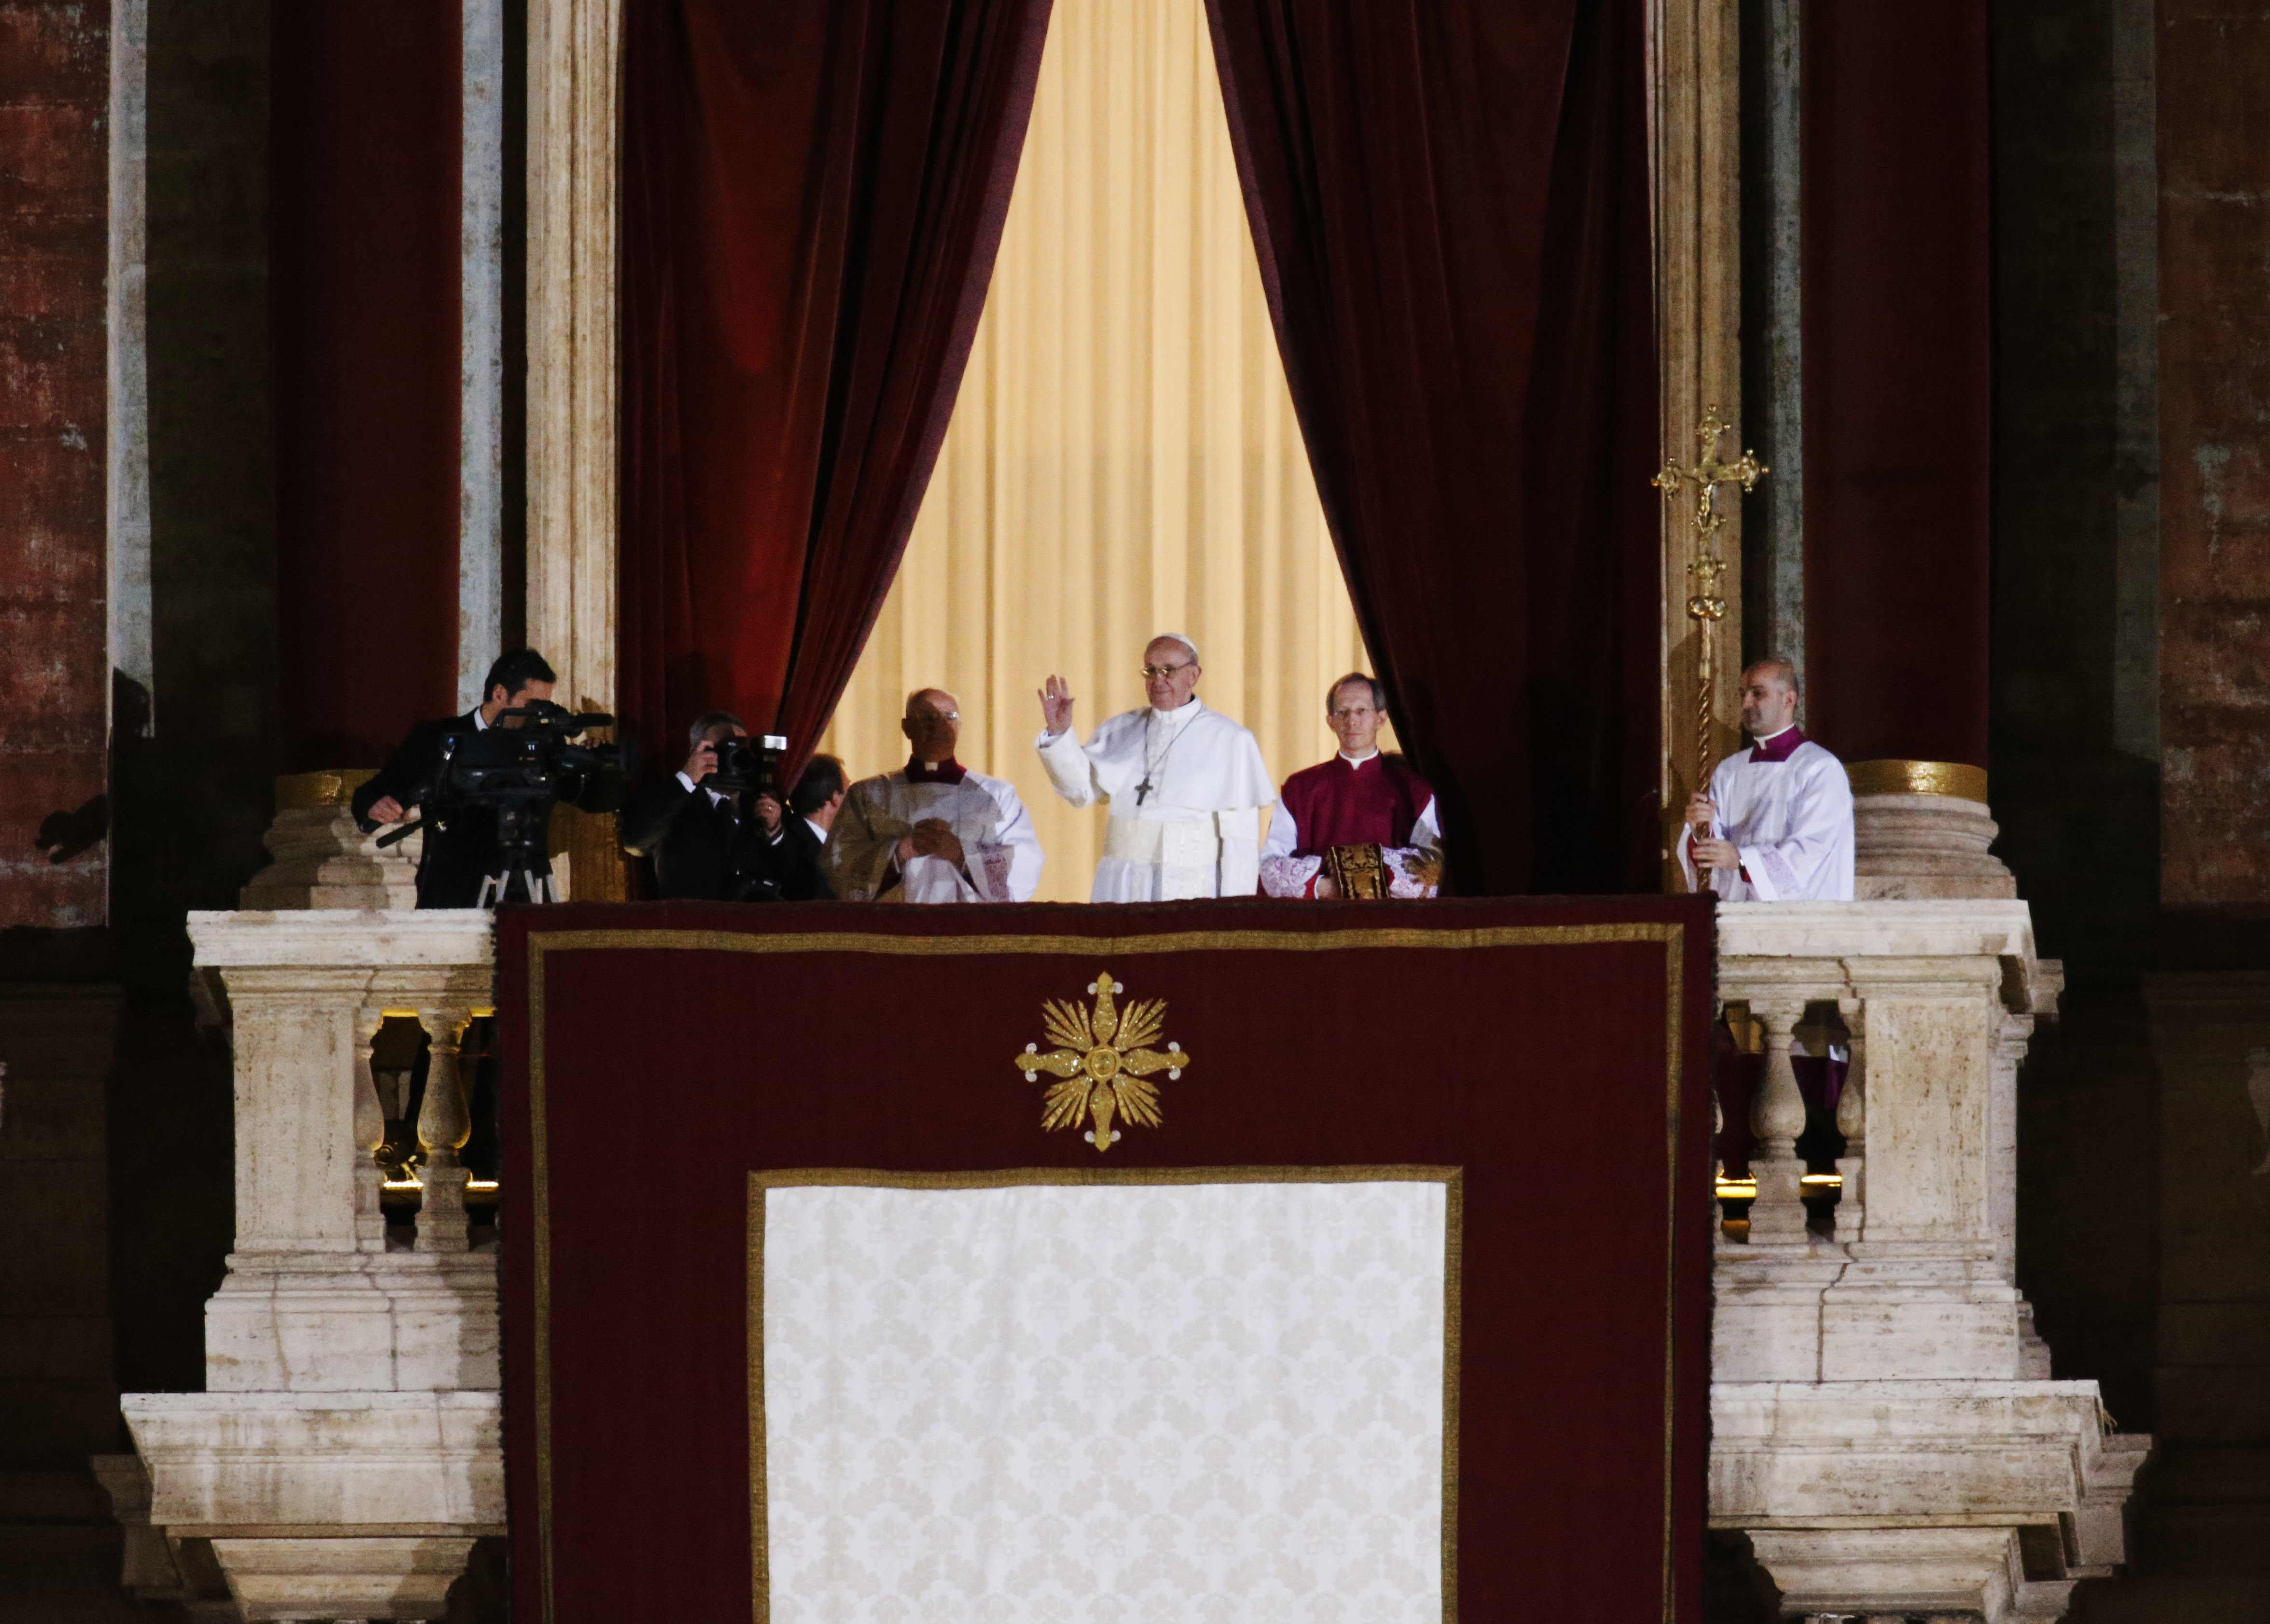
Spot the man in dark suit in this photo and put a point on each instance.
(711, 845)
(458, 854)
(814, 802)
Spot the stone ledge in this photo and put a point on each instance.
(376, 937)
(406, 1461)
(1886, 1454)
(1903, 1571)
(400, 1578)
(1951, 928)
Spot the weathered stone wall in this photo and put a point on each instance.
(2214, 402)
(55, 669)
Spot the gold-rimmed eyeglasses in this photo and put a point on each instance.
(1167, 670)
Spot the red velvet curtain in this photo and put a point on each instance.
(812, 194)
(1449, 200)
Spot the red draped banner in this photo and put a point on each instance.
(1554, 1055)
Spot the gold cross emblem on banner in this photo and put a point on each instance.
(1104, 1059)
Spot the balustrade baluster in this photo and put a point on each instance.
(1853, 1122)
(1777, 1118)
(370, 1133)
(1717, 1163)
(444, 1124)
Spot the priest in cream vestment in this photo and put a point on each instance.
(1186, 785)
(1777, 824)
(933, 831)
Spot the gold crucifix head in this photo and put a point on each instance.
(1706, 608)
(1708, 472)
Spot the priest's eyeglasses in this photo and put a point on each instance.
(1167, 671)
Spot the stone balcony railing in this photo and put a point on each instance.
(1884, 1428)
(347, 1452)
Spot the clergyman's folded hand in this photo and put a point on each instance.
(942, 841)
(932, 837)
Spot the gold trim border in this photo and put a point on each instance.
(1952, 779)
(541, 944)
(1453, 1181)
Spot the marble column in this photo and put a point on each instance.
(133, 654)
(573, 52)
(1694, 54)
(480, 318)
(1773, 304)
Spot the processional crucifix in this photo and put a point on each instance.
(1706, 608)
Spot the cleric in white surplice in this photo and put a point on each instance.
(1186, 785)
(933, 831)
(1777, 824)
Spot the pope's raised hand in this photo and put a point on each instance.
(1056, 705)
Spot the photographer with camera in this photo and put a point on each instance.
(716, 830)
(482, 808)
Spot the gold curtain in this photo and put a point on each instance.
(1124, 458)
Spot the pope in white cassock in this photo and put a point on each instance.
(933, 831)
(1186, 783)
(1777, 824)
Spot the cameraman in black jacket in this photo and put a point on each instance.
(458, 855)
(705, 844)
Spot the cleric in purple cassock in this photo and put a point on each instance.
(1360, 797)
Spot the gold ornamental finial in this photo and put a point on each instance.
(1707, 608)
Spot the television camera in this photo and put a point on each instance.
(515, 769)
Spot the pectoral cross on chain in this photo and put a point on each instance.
(1152, 769)
(1706, 608)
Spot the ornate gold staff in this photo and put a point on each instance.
(1706, 608)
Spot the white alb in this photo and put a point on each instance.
(1792, 820)
(1186, 788)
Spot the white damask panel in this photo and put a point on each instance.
(1117, 1404)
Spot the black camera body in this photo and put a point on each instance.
(502, 765)
(517, 768)
(749, 766)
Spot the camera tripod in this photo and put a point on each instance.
(521, 872)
